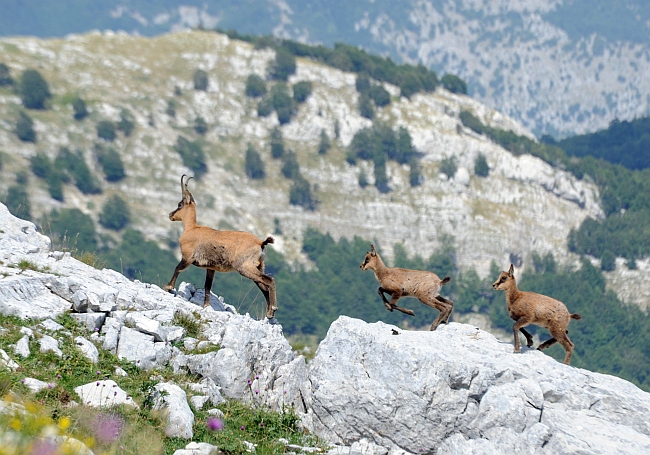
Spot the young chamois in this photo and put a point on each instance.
(531, 308)
(220, 251)
(396, 282)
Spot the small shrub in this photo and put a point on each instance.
(301, 194)
(363, 179)
(192, 155)
(265, 107)
(283, 66)
(111, 164)
(448, 166)
(254, 166)
(481, 167)
(290, 168)
(201, 81)
(5, 75)
(415, 172)
(106, 130)
(277, 143)
(126, 123)
(171, 108)
(33, 89)
(301, 91)
(25, 128)
(255, 86)
(381, 178)
(362, 83)
(366, 108)
(79, 108)
(379, 95)
(324, 145)
(454, 84)
(75, 165)
(282, 103)
(115, 214)
(200, 126)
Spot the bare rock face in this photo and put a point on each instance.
(459, 390)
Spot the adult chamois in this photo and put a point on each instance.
(220, 251)
(530, 308)
(396, 282)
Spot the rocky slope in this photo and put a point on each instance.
(523, 205)
(560, 67)
(371, 389)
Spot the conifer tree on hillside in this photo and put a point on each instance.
(33, 89)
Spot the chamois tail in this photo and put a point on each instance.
(267, 241)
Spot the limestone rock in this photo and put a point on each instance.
(105, 393)
(36, 385)
(88, 349)
(48, 343)
(22, 347)
(462, 390)
(180, 419)
(7, 361)
(140, 348)
(197, 448)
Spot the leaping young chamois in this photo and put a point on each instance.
(220, 251)
(530, 308)
(397, 282)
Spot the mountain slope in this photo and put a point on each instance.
(560, 67)
(523, 205)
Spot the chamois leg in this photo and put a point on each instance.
(381, 291)
(444, 309)
(521, 322)
(392, 305)
(266, 284)
(179, 268)
(562, 338)
(547, 344)
(209, 277)
(449, 307)
(529, 337)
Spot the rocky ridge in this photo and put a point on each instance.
(371, 389)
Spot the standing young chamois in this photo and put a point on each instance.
(530, 308)
(396, 282)
(220, 251)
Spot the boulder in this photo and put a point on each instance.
(105, 393)
(180, 419)
(460, 390)
(88, 349)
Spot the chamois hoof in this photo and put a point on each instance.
(273, 321)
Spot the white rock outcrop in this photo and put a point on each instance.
(459, 390)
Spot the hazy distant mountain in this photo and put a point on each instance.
(560, 67)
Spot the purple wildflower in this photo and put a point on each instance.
(108, 427)
(214, 424)
(257, 376)
(242, 428)
(256, 392)
(44, 447)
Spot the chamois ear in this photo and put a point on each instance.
(372, 250)
(187, 196)
(511, 271)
